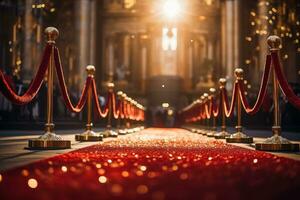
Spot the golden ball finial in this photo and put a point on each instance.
(90, 69)
(205, 95)
(51, 33)
(110, 85)
(222, 82)
(124, 95)
(120, 93)
(274, 42)
(239, 73)
(212, 90)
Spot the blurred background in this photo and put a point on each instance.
(164, 53)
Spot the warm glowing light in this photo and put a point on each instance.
(165, 105)
(171, 9)
(102, 179)
(25, 172)
(32, 183)
(170, 112)
(64, 169)
(143, 168)
(125, 174)
(101, 171)
(98, 165)
(142, 189)
(116, 189)
(169, 39)
(184, 176)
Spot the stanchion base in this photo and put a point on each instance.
(122, 131)
(203, 132)
(246, 140)
(277, 143)
(277, 147)
(130, 131)
(88, 138)
(37, 144)
(222, 135)
(109, 133)
(211, 134)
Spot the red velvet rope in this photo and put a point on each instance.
(229, 111)
(63, 88)
(216, 106)
(129, 110)
(121, 109)
(125, 109)
(203, 112)
(101, 112)
(115, 107)
(35, 85)
(198, 111)
(262, 90)
(208, 109)
(285, 87)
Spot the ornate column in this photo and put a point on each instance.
(230, 37)
(210, 48)
(82, 10)
(144, 60)
(134, 52)
(236, 31)
(110, 57)
(93, 27)
(263, 47)
(190, 61)
(28, 41)
(126, 50)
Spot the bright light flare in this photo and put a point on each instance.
(169, 43)
(165, 105)
(171, 9)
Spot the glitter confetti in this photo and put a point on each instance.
(156, 164)
(32, 183)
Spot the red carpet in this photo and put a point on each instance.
(156, 164)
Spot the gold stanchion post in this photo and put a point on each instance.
(109, 132)
(206, 123)
(193, 129)
(223, 133)
(121, 122)
(203, 121)
(276, 142)
(124, 129)
(213, 129)
(128, 120)
(239, 136)
(89, 134)
(50, 140)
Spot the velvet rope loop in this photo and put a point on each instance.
(34, 87)
(216, 106)
(102, 112)
(284, 85)
(115, 105)
(83, 97)
(229, 110)
(262, 91)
